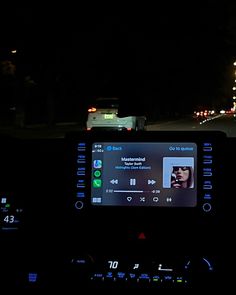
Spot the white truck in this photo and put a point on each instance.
(104, 114)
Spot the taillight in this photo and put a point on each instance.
(92, 110)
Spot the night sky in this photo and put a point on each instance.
(168, 57)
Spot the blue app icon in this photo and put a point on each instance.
(97, 164)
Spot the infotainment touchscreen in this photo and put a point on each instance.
(162, 170)
(144, 174)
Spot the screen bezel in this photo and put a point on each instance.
(198, 137)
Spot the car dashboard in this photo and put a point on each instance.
(97, 210)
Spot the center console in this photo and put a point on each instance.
(145, 209)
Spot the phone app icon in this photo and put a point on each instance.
(97, 164)
(97, 183)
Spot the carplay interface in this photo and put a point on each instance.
(144, 174)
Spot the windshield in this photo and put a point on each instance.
(174, 64)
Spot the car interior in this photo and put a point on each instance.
(87, 207)
(97, 211)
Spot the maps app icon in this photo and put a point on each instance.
(97, 164)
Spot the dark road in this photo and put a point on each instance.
(225, 123)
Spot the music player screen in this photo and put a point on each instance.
(144, 174)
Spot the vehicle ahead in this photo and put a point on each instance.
(104, 114)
